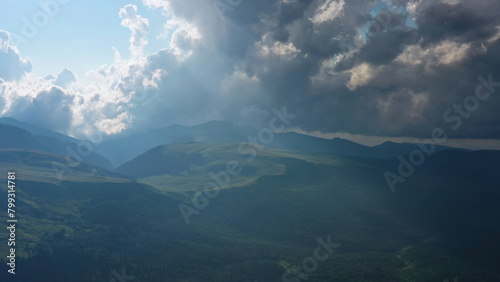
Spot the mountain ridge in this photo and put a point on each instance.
(14, 137)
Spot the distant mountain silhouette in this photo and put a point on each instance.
(122, 149)
(19, 135)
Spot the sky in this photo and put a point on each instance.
(366, 70)
(80, 35)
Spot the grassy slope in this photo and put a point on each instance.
(287, 197)
(17, 138)
(93, 220)
(180, 168)
(281, 202)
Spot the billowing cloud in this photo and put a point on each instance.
(282, 50)
(315, 57)
(12, 66)
(64, 78)
(43, 104)
(328, 11)
(139, 27)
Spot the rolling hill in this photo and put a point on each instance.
(14, 137)
(122, 149)
(253, 217)
(443, 219)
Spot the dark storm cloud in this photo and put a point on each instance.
(396, 82)
(316, 58)
(456, 22)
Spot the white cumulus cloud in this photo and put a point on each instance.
(12, 65)
(327, 12)
(139, 27)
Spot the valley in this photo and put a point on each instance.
(254, 219)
